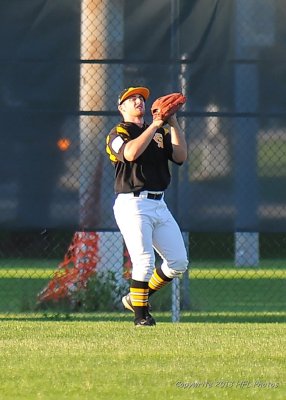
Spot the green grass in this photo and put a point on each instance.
(38, 264)
(271, 157)
(195, 273)
(88, 359)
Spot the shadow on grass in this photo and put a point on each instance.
(224, 318)
(66, 317)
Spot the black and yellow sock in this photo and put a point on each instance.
(139, 292)
(157, 281)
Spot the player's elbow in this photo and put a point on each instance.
(182, 158)
(180, 155)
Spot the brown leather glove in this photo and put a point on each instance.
(167, 105)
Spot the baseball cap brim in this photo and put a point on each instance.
(143, 91)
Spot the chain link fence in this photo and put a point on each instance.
(60, 247)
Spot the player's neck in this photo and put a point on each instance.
(136, 120)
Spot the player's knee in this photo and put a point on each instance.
(176, 268)
(142, 273)
(180, 266)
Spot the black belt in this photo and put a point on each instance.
(151, 196)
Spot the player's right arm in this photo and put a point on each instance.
(135, 147)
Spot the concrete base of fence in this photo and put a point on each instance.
(246, 249)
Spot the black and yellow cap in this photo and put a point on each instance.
(143, 91)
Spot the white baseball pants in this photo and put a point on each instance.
(147, 225)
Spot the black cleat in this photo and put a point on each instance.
(144, 322)
(126, 300)
(150, 319)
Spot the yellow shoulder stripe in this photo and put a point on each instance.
(120, 129)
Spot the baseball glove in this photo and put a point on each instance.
(165, 106)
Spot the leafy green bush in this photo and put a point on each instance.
(102, 293)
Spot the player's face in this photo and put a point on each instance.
(134, 105)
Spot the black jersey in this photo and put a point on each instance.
(150, 171)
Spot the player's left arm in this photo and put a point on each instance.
(179, 144)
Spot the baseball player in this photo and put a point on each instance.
(140, 154)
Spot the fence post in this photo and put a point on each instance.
(186, 294)
(176, 288)
(96, 43)
(245, 138)
(176, 300)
